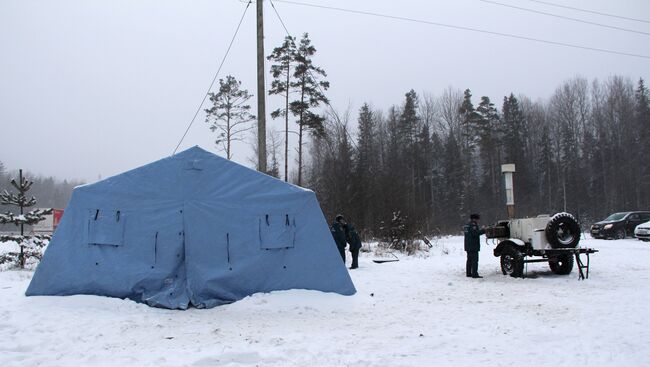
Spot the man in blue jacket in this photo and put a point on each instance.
(472, 245)
(338, 232)
(355, 244)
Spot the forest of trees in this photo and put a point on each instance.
(436, 159)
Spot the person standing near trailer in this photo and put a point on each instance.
(472, 245)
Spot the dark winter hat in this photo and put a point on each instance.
(339, 218)
(475, 216)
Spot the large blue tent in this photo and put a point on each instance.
(190, 229)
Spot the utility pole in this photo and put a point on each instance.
(261, 93)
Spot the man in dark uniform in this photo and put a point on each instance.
(472, 245)
(338, 232)
(355, 244)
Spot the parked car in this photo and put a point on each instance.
(642, 231)
(619, 225)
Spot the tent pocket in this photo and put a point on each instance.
(277, 231)
(105, 228)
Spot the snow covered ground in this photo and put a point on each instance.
(415, 312)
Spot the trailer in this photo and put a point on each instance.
(552, 239)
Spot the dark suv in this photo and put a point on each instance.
(619, 225)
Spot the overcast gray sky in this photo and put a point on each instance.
(97, 87)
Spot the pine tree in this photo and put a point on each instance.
(438, 189)
(409, 119)
(229, 116)
(469, 120)
(409, 123)
(642, 122)
(488, 134)
(395, 177)
(546, 170)
(424, 176)
(310, 90)
(20, 200)
(454, 178)
(274, 169)
(283, 57)
(470, 126)
(366, 160)
(513, 125)
(515, 141)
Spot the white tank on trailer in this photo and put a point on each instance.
(531, 230)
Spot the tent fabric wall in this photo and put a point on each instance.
(190, 229)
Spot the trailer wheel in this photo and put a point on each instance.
(563, 231)
(512, 262)
(562, 264)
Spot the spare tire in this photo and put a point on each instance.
(561, 264)
(563, 231)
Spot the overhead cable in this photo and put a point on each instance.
(564, 17)
(590, 11)
(470, 29)
(214, 79)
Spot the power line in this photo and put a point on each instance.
(280, 19)
(477, 30)
(564, 17)
(213, 79)
(336, 115)
(590, 11)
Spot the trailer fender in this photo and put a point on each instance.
(511, 242)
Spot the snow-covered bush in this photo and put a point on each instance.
(33, 248)
(399, 235)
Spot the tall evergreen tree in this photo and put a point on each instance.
(488, 143)
(438, 188)
(642, 122)
(424, 174)
(230, 114)
(454, 178)
(469, 120)
(367, 158)
(546, 169)
(409, 123)
(394, 180)
(514, 142)
(310, 91)
(283, 57)
(30, 218)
